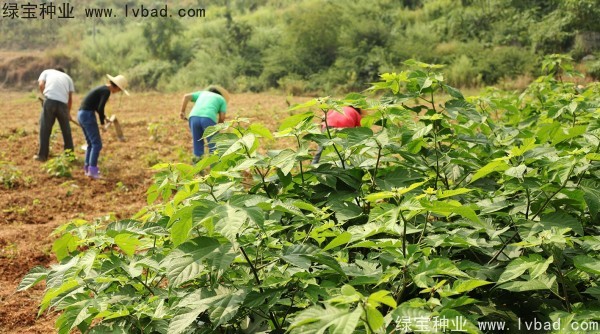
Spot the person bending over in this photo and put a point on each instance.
(93, 103)
(209, 109)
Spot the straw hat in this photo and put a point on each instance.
(221, 91)
(120, 81)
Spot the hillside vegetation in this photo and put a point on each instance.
(438, 217)
(313, 45)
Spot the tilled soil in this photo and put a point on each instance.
(36, 203)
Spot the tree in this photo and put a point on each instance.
(159, 37)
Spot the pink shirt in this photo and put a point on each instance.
(348, 118)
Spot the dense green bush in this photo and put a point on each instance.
(331, 46)
(150, 74)
(593, 69)
(463, 73)
(444, 215)
(503, 62)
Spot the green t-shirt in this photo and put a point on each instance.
(208, 104)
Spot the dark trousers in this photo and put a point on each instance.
(51, 111)
(89, 124)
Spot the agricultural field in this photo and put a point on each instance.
(33, 202)
(443, 212)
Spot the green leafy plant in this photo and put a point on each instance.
(61, 165)
(433, 216)
(157, 131)
(10, 175)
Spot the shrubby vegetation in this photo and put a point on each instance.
(316, 45)
(440, 207)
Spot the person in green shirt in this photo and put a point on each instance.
(209, 109)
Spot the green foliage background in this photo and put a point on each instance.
(439, 206)
(312, 45)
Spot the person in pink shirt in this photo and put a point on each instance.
(349, 117)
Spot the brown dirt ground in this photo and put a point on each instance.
(39, 203)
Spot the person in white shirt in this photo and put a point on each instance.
(57, 88)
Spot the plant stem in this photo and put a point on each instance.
(376, 167)
(582, 174)
(367, 318)
(502, 249)
(212, 194)
(329, 135)
(403, 234)
(528, 204)
(300, 162)
(461, 180)
(291, 305)
(424, 227)
(437, 161)
(561, 277)
(563, 185)
(145, 285)
(255, 273)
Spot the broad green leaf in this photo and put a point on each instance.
(594, 291)
(230, 222)
(74, 316)
(186, 262)
(531, 285)
(570, 133)
(449, 193)
(517, 172)
(516, 268)
(181, 224)
(55, 292)
(298, 255)
(185, 318)
(127, 242)
(212, 130)
(540, 267)
(436, 267)
(345, 210)
(461, 286)
(225, 308)
(561, 219)
(285, 161)
(349, 290)
(494, 166)
(447, 208)
(111, 314)
(294, 120)
(341, 239)
(422, 131)
(260, 130)
(374, 318)
(592, 196)
(328, 261)
(33, 277)
(528, 144)
(382, 297)
(126, 225)
(374, 197)
(546, 131)
(317, 320)
(256, 299)
(593, 156)
(455, 93)
(302, 205)
(588, 264)
(64, 245)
